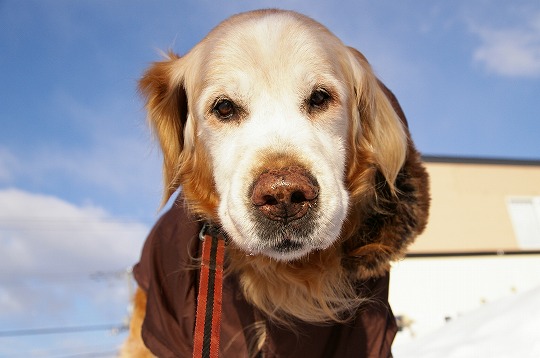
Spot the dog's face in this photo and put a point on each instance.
(274, 117)
(267, 124)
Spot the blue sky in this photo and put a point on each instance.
(80, 176)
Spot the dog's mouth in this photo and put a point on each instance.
(287, 242)
(286, 246)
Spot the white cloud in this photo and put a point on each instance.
(44, 234)
(44, 239)
(512, 51)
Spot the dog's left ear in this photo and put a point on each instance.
(376, 125)
(382, 152)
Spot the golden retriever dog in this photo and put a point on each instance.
(282, 136)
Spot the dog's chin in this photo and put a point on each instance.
(284, 250)
(287, 250)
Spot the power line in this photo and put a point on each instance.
(109, 353)
(67, 224)
(69, 352)
(67, 220)
(113, 354)
(64, 277)
(118, 327)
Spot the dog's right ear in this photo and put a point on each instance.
(166, 104)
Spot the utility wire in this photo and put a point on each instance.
(57, 330)
(83, 351)
(65, 277)
(91, 354)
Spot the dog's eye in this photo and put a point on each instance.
(224, 109)
(319, 99)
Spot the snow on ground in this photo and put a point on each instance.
(509, 327)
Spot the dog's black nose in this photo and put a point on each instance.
(285, 194)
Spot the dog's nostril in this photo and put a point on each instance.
(298, 197)
(270, 200)
(284, 194)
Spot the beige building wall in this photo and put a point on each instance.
(469, 210)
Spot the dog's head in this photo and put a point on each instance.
(274, 129)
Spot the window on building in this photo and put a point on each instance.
(525, 215)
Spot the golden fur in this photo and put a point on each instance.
(381, 164)
(134, 346)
